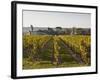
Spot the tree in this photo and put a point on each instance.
(58, 30)
(50, 31)
(32, 28)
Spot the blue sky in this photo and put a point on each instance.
(54, 19)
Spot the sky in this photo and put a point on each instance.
(56, 19)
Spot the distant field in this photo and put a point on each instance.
(49, 51)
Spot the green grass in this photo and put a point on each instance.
(36, 65)
(27, 64)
